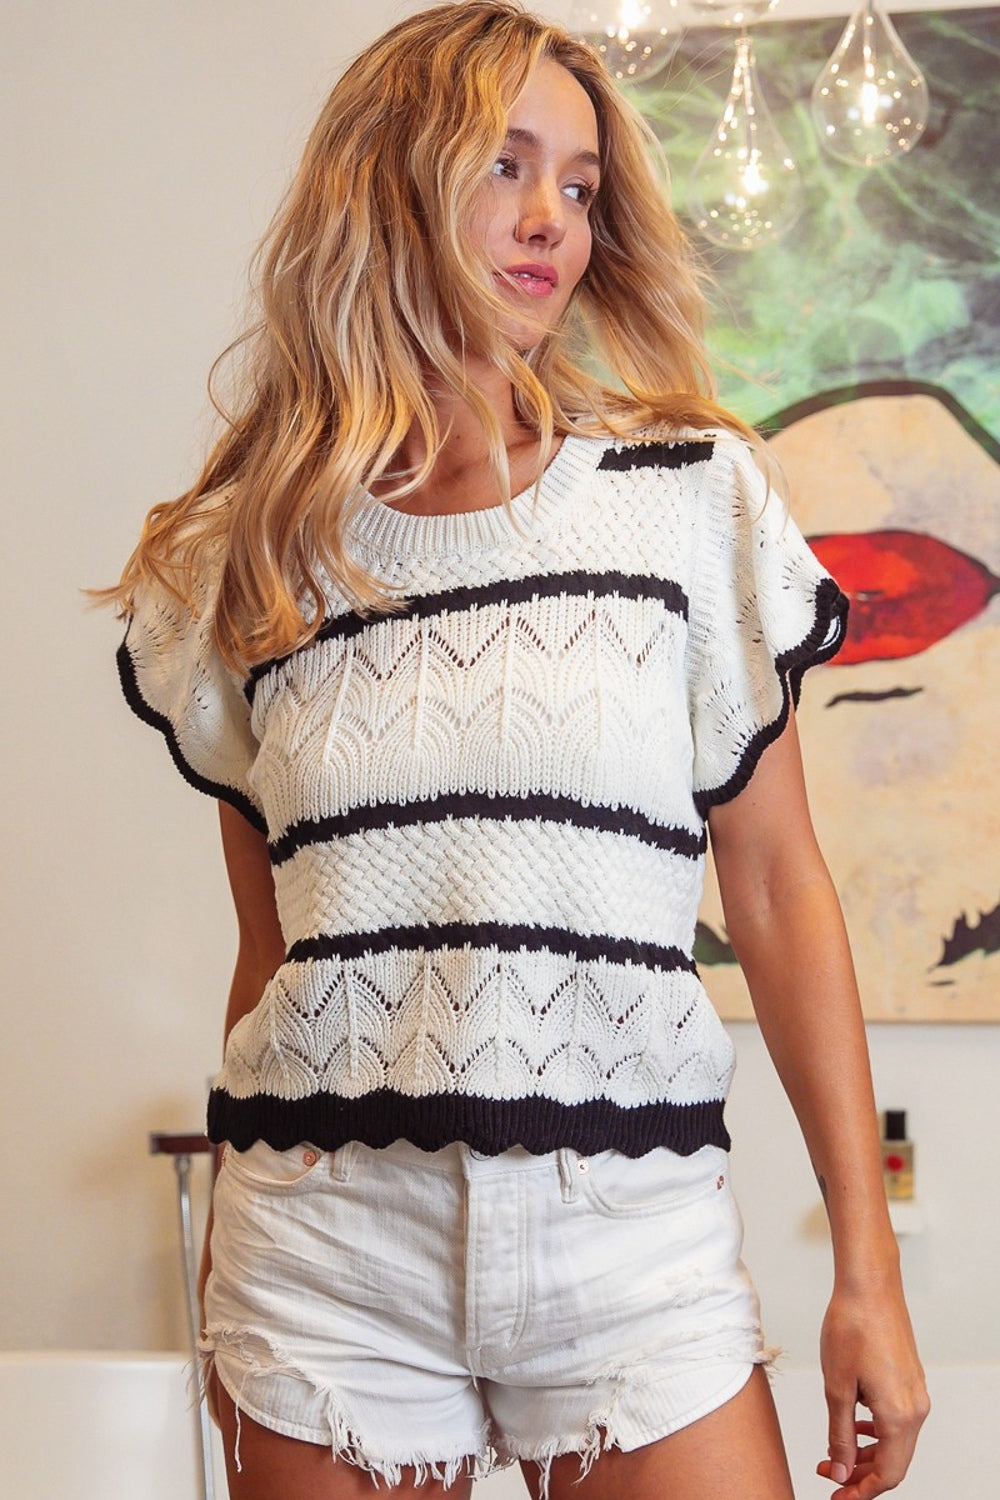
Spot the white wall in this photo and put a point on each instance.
(147, 144)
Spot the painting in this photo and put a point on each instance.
(865, 343)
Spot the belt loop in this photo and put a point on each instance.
(568, 1178)
(344, 1161)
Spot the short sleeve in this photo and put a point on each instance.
(174, 679)
(762, 610)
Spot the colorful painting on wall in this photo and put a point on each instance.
(868, 345)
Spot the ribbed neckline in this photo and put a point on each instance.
(389, 533)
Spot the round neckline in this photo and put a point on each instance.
(386, 531)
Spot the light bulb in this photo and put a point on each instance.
(635, 38)
(744, 189)
(870, 103)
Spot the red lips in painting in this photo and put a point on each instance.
(907, 590)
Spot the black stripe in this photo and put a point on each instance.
(536, 807)
(657, 456)
(508, 937)
(490, 1126)
(503, 591)
(150, 715)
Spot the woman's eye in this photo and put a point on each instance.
(581, 192)
(504, 166)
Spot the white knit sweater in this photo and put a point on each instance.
(486, 813)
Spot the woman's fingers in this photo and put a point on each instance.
(842, 1436)
(875, 1467)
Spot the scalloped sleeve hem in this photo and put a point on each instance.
(174, 680)
(763, 611)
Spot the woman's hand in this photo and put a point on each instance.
(869, 1358)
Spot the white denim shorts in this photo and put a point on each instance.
(456, 1312)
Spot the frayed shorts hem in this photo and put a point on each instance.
(626, 1430)
(349, 1446)
(634, 1425)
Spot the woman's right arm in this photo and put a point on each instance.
(261, 947)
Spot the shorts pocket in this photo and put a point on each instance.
(269, 1170)
(623, 1187)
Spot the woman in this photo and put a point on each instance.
(472, 645)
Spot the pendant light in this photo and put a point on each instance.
(870, 103)
(744, 189)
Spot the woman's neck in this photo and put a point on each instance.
(463, 477)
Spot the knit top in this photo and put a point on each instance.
(486, 813)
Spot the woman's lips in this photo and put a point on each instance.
(535, 280)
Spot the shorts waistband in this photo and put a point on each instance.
(471, 1163)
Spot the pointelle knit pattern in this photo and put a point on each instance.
(486, 814)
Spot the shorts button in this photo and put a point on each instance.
(310, 1158)
(583, 1164)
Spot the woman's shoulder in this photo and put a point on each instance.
(687, 470)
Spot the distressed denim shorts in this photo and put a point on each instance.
(455, 1312)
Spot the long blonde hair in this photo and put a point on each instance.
(368, 281)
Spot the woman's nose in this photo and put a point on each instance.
(541, 215)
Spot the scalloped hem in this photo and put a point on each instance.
(158, 721)
(823, 641)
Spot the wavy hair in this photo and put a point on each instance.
(368, 280)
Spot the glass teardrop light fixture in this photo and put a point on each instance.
(731, 13)
(870, 103)
(744, 189)
(636, 38)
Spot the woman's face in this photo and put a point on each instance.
(534, 217)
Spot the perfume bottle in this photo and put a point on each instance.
(897, 1157)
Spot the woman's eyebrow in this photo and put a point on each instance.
(518, 136)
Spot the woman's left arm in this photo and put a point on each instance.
(785, 924)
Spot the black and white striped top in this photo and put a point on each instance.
(486, 814)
